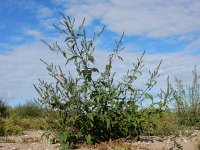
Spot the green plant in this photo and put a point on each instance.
(3, 108)
(2, 130)
(32, 123)
(3, 115)
(11, 129)
(187, 101)
(28, 109)
(92, 106)
(22, 117)
(164, 123)
(11, 126)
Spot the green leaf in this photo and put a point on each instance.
(72, 119)
(148, 96)
(64, 54)
(112, 103)
(102, 91)
(130, 89)
(88, 138)
(149, 85)
(120, 58)
(87, 74)
(70, 59)
(91, 58)
(90, 116)
(102, 117)
(121, 104)
(135, 107)
(68, 38)
(128, 118)
(64, 136)
(108, 123)
(95, 70)
(91, 124)
(132, 77)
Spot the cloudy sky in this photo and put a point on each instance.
(166, 30)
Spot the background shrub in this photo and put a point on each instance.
(3, 114)
(165, 123)
(3, 108)
(187, 101)
(29, 109)
(32, 123)
(11, 129)
(29, 115)
(2, 129)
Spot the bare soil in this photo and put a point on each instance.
(30, 140)
(33, 140)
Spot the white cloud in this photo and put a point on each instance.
(44, 12)
(153, 18)
(33, 33)
(48, 23)
(21, 67)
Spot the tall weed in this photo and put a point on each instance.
(187, 101)
(93, 106)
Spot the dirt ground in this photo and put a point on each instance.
(33, 140)
(30, 140)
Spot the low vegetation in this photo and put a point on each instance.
(19, 118)
(3, 108)
(187, 101)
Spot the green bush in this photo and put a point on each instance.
(187, 101)
(11, 129)
(3, 108)
(16, 124)
(3, 115)
(22, 117)
(92, 105)
(29, 109)
(2, 130)
(32, 123)
(9, 126)
(164, 124)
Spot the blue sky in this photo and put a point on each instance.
(167, 30)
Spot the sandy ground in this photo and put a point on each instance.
(31, 140)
